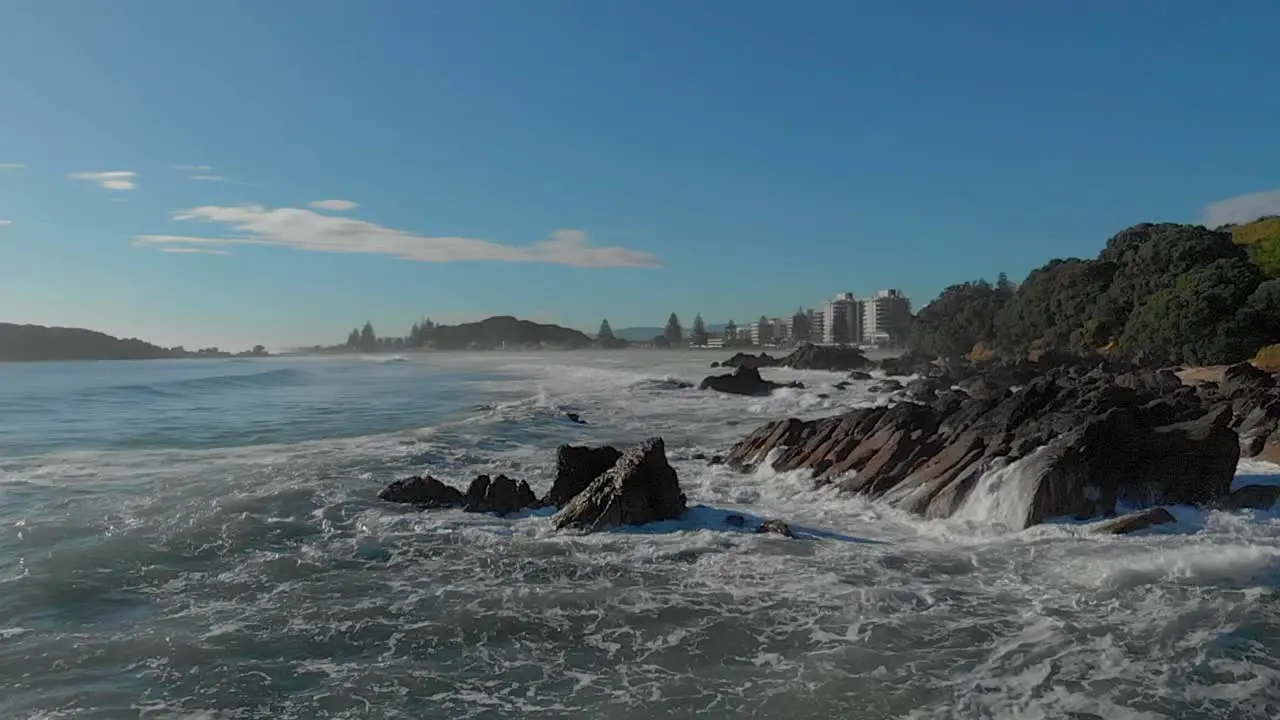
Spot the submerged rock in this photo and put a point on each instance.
(576, 467)
(1065, 445)
(421, 491)
(1135, 521)
(641, 487)
(860, 375)
(1250, 497)
(776, 527)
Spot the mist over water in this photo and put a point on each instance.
(203, 538)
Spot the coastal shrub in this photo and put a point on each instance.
(1268, 358)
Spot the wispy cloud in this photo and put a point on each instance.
(192, 251)
(302, 229)
(11, 166)
(209, 178)
(335, 205)
(1242, 208)
(5, 222)
(110, 179)
(193, 168)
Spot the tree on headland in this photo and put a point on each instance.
(368, 338)
(353, 340)
(605, 337)
(800, 326)
(698, 336)
(674, 334)
(661, 342)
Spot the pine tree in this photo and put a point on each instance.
(353, 340)
(698, 336)
(368, 339)
(730, 333)
(605, 336)
(674, 334)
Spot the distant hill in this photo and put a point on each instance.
(34, 343)
(504, 331)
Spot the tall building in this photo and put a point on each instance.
(761, 332)
(884, 316)
(817, 321)
(842, 320)
(784, 330)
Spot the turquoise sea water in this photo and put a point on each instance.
(203, 539)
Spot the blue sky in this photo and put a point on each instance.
(565, 161)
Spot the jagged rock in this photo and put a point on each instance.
(749, 360)
(841, 386)
(825, 357)
(888, 385)
(744, 380)
(1070, 443)
(777, 527)
(576, 467)
(421, 491)
(927, 389)
(1135, 521)
(860, 375)
(1251, 497)
(716, 460)
(641, 487)
(714, 364)
(1245, 379)
(500, 495)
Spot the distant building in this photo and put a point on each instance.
(884, 316)
(842, 320)
(714, 342)
(761, 332)
(816, 324)
(783, 329)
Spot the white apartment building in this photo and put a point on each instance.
(761, 332)
(842, 320)
(883, 314)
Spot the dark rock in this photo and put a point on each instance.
(927, 389)
(860, 375)
(1250, 497)
(1070, 443)
(421, 491)
(1245, 379)
(744, 380)
(714, 364)
(641, 487)
(777, 527)
(1135, 521)
(576, 467)
(500, 495)
(888, 385)
(735, 520)
(716, 460)
(749, 360)
(825, 357)
(841, 386)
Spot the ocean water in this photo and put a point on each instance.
(202, 539)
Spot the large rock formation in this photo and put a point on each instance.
(825, 357)
(1071, 443)
(576, 467)
(422, 491)
(748, 360)
(744, 380)
(641, 487)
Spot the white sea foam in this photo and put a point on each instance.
(265, 578)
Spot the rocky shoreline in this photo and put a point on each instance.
(1016, 443)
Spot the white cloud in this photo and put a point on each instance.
(306, 230)
(5, 222)
(193, 168)
(193, 251)
(11, 166)
(1242, 208)
(335, 205)
(209, 178)
(110, 179)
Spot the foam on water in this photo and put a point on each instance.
(259, 576)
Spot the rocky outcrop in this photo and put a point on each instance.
(1250, 497)
(426, 492)
(776, 527)
(825, 357)
(500, 495)
(1134, 521)
(748, 360)
(576, 467)
(641, 487)
(744, 380)
(1071, 443)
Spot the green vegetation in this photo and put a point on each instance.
(492, 333)
(1156, 294)
(34, 343)
(673, 334)
(698, 335)
(606, 339)
(1261, 238)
